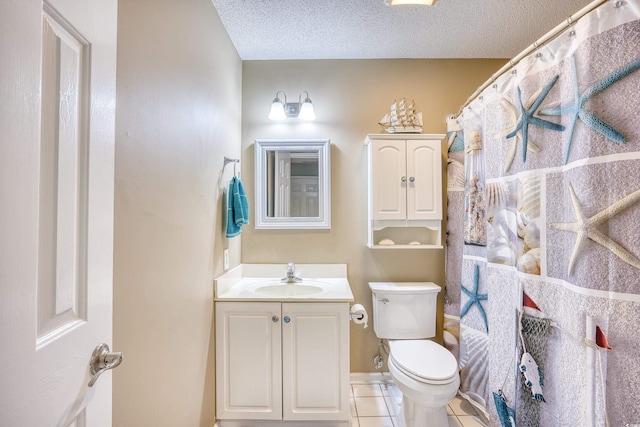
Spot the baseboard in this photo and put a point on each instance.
(370, 377)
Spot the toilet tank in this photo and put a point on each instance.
(404, 310)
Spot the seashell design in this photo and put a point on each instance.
(532, 234)
(530, 262)
(501, 252)
(529, 195)
(455, 174)
(497, 195)
(504, 224)
(522, 220)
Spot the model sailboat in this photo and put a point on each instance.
(403, 117)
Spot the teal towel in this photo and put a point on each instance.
(237, 208)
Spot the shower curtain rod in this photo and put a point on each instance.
(538, 43)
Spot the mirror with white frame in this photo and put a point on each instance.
(293, 183)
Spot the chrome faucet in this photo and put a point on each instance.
(291, 274)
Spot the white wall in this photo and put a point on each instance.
(178, 115)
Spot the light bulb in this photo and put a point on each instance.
(306, 111)
(277, 110)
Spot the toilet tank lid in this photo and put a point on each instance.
(404, 287)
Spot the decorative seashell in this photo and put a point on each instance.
(532, 235)
(504, 224)
(529, 196)
(522, 220)
(497, 195)
(414, 242)
(530, 262)
(455, 174)
(386, 242)
(501, 252)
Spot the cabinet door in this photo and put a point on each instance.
(388, 190)
(248, 361)
(315, 361)
(424, 184)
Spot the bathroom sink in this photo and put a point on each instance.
(288, 290)
(276, 288)
(264, 282)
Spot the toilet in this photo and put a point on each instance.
(426, 373)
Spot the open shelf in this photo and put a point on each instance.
(427, 234)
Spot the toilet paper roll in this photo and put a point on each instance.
(359, 315)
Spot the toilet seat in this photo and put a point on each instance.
(424, 361)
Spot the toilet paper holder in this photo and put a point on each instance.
(358, 314)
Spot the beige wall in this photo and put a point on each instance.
(178, 115)
(350, 97)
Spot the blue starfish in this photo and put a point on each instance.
(528, 118)
(475, 298)
(577, 110)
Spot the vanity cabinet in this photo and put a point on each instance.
(405, 190)
(282, 361)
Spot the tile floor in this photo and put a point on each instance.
(376, 405)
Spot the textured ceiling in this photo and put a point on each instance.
(355, 29)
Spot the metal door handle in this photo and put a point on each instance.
(287, 319)
(101, 361)
(411, 179)
(403, 179)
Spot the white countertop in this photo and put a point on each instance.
(239, 283)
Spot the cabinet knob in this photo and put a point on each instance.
(403, 179)
(275, 318)
(287, 319)
(411, 179)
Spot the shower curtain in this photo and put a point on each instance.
(549, 306)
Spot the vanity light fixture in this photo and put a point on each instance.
(303, 109)
(413, 2)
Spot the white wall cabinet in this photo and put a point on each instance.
(405, 190)
(282, 361)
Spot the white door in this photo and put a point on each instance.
(424, 182)
(56, 209)
(304, 197)
(389, 179)
(315, 361)
(283, 184)
(248, 361)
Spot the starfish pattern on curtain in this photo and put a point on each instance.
(585, 228)
(577, 107)
(475, 298)
(512, 124)
(527, 118)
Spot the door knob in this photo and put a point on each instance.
(287, 319)
(411, 179)
(101, 361)
(403, 179)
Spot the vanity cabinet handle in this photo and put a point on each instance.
(403, 179)
(287, 319)
(275, 318)
(411, 179)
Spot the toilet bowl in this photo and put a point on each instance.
(426, 373)
(427, 376)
